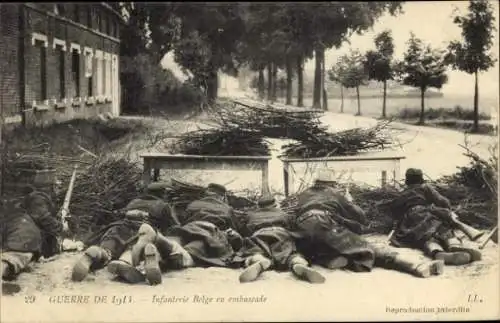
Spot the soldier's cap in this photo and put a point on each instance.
(266, 201)
(216, 188)
(156, 189)
(325, 177)
(414, 172)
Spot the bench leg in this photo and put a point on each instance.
(286, 179)
(384, 177)
(397, 172)
(265, 179)
(146, 174)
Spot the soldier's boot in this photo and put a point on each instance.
(92, 256)
(434, 250)
(300, 268)
(255, 265)
(123, 269)
(406, 263)
(170, 249)
(422, 269)
(146, 234)
(456, 246)
(152, 260)
(5, 270)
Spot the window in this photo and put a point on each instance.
(89, 16)
(60, 53)
(76, 12)
(103, 76)
(109, 75)
(59, 9)
(111, 28)
(42, 70)
(90, 93)
(99, 74)
(107, 24)
(99, 21)
(75, 70)
(88, 71)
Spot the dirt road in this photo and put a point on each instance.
(214, 294)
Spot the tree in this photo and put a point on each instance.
(336, 74)
(379, 63)
(263, 44)
(350, 72)
(329, 24)
(164, 28)
(473, 54)
(208, 42)
(134, 30)
(423, 67)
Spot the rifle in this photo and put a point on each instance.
(488, 237)
(67, 199)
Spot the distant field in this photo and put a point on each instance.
(373, 106)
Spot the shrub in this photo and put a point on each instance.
(458, 112)
(149, 88)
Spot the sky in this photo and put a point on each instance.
(431, 21)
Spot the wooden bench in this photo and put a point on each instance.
(157, 161)
(359, 163)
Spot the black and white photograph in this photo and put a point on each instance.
(249, 161)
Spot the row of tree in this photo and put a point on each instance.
(272, 37)
(207, 38)
(422, 66)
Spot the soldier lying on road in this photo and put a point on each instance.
(28, 230)
(111, 245)
(325, 222)
(208, 238)
(270, 244)
(426, 223)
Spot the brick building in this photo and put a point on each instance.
(58, 61)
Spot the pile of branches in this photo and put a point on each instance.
(100, 190)
(229, 141)
(342, 143)
(270, 121)
(473, 189)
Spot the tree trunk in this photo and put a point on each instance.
(341, 98)
(261, 84)
(319, 54)
(384, 115)
(300, 82)
(359, 101)
(212, 86)
(422, 106)
(269, 81)
(476, 104)
(324, 92)
(275, 83)
(289, 78)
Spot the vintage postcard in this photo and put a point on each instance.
(238, 161)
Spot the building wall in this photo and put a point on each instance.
(50, 38)
(9, 61)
